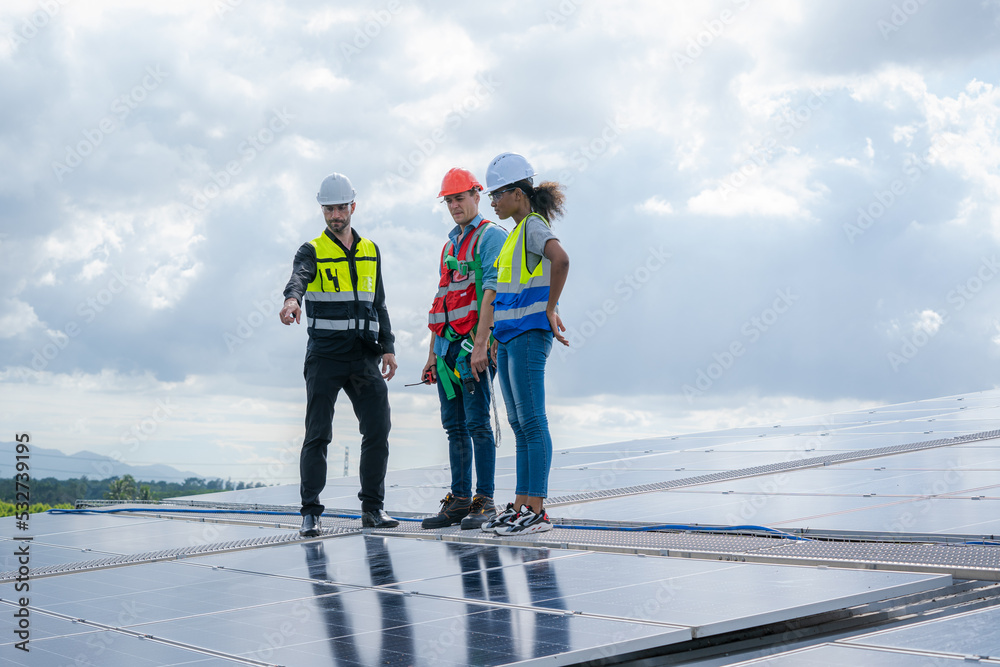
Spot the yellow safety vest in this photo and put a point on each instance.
(522, 295)
(341, 298)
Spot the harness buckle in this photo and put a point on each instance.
(467, 345)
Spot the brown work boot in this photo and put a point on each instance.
(453, 509)
(480, 511)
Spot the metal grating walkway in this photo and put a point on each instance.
(961, 560)
(171, 554)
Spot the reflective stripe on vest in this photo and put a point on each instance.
(456, 303)
(522, 295)
(336, 325)
(339, 296)
(342, 295)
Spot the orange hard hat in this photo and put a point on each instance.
(458, 180)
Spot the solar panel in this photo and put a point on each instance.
(407, 596)
(856, 656)
(975, 633)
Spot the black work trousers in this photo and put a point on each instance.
(362, 381)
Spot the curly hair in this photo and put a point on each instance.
(547, 199)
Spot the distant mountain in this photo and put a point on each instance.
(54, 463)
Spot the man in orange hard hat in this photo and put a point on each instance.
(461, 319)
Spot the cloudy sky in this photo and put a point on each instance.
(775, 208)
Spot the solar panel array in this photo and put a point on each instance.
(242, 588)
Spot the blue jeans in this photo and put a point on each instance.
(521, 364)
(466, 419)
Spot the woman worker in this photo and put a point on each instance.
(531, 272)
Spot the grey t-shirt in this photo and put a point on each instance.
(536, 235)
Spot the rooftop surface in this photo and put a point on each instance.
(863, 538)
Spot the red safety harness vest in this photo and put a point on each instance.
(460, 289)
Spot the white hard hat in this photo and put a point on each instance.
(505, 169)
(335, 189)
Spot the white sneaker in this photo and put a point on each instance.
(499, 519)
(526, 521)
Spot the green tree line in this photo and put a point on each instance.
(53, 492)
(10, 509)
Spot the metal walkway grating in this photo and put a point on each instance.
(171, 554)
(966, 561)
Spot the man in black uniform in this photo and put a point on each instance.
(339, 276)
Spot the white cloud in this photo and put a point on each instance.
(84, 235)
(168, 283)
(781, 190)
(753, 200)
(904, 133)
(655, 206)
(93, 269)
(312, 78)
(928, 321)
(772, 139)
(16, 317)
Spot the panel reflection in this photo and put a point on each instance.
(396, 638)
(551, 630)
(483, 579)
(497, 630)
(399, 642)
(331, 607)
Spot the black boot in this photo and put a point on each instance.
(377, 519)
(453, 510)
(481, 511)
(311, 526)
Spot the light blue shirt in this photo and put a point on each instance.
(490, 244)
